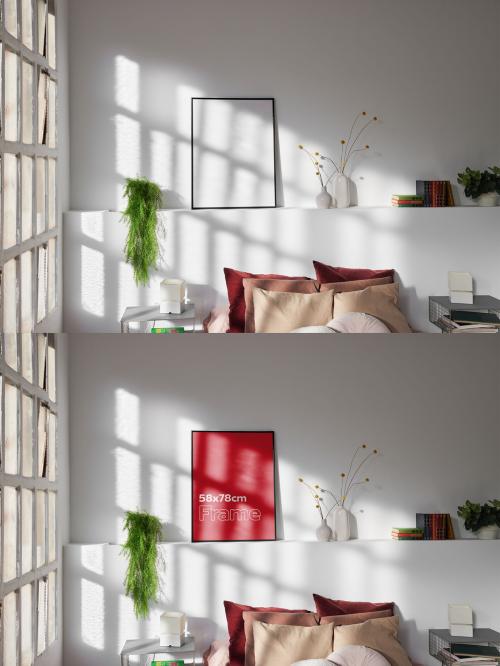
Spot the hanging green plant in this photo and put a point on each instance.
(142, 247)
(142, 581)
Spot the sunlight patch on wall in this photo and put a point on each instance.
(128, 292)
(128, 150)
(193, 573)
(162, 492)
(127, 84)
(92, 618)
(128, 626)
(183, 429)
(93, 225)
(183, 108)
(92, 281)
(127, 416)
(93, 558)
(162, 152)
(215, 131)
(192, 261)
(127, 479)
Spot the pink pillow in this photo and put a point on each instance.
(217, 321)
(326, 273)
(325, 606)
(236, 295)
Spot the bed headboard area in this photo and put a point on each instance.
(422, 245)
(421, 577)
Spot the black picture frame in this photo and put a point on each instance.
(274, 134)
(267, 432)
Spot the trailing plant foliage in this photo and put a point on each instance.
(141, 550)
(142, 248)
(480, 182)
(477, 515)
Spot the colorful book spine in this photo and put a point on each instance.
(435, 193)
(435, 526)
(160, 331)
(177, 662)
(407, 534)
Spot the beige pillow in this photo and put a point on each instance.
(272, 617)
(381, 302)
(281, 312)
(281, 645)
(380, 635)
(273, 284)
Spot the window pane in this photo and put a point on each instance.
(42, 359)
(52, 447)
(27, 356)
(51, 277)
(52, 607)
(51, 34)
(10, 349)
(51, 368)
(52, 525)
(42, 441)
(27, 23)
(26, 293)
(26, 626)
(9, 533)
(40, 195)
(27, 197)
(51, 129)
(10, 179)
(51, 192)
(42, 616)
(27, 102)
(27, 468)
(40, 528)
(42, 25)
(26, 531)
(11, 117)
(11, 407)
(11, 16)
(10, 629)
(10, 297)
(42, 284)
(42, 107)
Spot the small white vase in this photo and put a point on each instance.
(342, 523)
(342, 191)
(487, 199)
(488, 532)
(324, 531)
(324, 199)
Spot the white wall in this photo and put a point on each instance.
(428, 69)
(422, 245)
(429, 403)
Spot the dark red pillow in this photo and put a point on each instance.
(325, 606)
(236, 295)
(236, 628)
(325, 273)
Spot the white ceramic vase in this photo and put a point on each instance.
(324, 531)
(488, 532)
(487, 199)
(341, 523)
(324, 199)
(342, 191)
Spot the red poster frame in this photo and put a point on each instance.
(236, 500)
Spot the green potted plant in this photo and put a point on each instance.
(482, 519)
(142, 581)
(142, 247)
(483, 186)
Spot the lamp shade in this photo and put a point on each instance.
(172, 295)
(172, 628)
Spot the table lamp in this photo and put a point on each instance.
(172, 629)
(461, 620)
(172, 296)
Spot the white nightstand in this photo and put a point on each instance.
(152, 647)
(151, 313)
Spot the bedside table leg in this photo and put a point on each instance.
(125, 660)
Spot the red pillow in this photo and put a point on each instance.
(325, 606)
(325, 273)
(236, 628)
(236, 295)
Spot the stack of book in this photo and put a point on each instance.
(407, 200)
(466, 653)
(407, 534)
(435, 193)
(435, 526)
(163, 662)
(452, 326)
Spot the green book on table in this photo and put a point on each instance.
(163, 330)
(176, 662)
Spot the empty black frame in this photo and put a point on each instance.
(195, 203)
